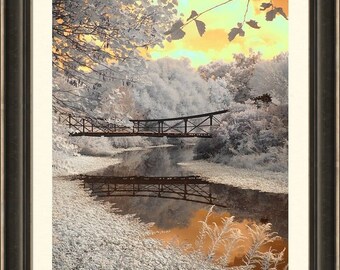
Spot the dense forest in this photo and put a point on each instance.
(254, 134)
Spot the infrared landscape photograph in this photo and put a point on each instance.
(170, 134)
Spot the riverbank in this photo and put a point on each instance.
(88, 234)
(266, 181)
(65, 164)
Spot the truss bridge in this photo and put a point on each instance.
(188, 188)
(200, 125)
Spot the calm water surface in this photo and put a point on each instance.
(167, 214)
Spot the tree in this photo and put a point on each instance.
(174, 88)
(236, 74)
(106, 37)
(107, 100)
(271, 77)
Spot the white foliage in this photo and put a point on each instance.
(261, 235)
(175, 89)
(251, 138)
(105, 36)
(60, 139)
(126, 142)
(230, 238)
(235, 74)
(271, 77)
(93, 146)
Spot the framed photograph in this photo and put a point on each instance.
(169, 134)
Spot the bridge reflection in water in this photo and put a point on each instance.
(187, 188)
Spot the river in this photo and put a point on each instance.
(167, 214)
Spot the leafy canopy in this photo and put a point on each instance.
(106, 36)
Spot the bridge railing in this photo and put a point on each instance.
(200, 124)
(90, 125)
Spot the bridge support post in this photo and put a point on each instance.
(211, 120)
(69, 121)
(185, 126)
(83, 125)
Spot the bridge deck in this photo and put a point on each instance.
(141, 134)
(192, 179)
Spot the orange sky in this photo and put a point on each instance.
(270, 40)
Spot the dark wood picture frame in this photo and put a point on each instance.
(16, 182)
(323, 134)
(16, 134)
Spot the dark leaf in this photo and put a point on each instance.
(271, 14)
(167, 32)
(253, 24)
(234, 32)
(192, 15)
(177, 34)
(264, 6)
(239, 25)
(200, 27)
(280, 10)
(176, 26)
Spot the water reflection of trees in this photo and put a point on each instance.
(244, 204)
(261, 206)
(166, 213)
(152, 162)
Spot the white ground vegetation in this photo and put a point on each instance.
(90, 235)
(266, 181)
